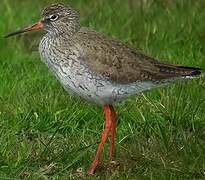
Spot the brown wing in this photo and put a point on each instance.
(123, 64)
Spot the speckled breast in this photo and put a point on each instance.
(73, 74)
(68, 66)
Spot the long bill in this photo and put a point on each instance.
(34, 27)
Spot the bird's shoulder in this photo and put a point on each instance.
(113, 58)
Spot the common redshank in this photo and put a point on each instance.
(97, 68)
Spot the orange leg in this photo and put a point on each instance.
(113, 133)
(110, 127)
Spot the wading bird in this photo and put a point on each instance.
(97, 68)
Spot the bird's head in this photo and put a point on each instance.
(56, 20)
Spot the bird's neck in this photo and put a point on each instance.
(68, 31)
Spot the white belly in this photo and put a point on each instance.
(95, 88)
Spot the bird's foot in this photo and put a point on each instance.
(93, 167)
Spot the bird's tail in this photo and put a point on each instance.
(176, 71)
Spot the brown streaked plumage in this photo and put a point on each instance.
(98, 68)
(123, 64)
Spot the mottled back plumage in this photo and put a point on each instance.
(123, 64)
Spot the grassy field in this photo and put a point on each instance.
(47, 134)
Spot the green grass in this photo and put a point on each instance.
(45, 133)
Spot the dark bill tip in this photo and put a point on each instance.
(36, 26)
(14, 33)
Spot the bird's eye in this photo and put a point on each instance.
(53, 17)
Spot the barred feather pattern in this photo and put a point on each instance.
(77, 78)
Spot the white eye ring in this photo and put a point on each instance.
(53, 17)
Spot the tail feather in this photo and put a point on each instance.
(170, 70)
